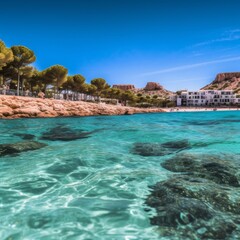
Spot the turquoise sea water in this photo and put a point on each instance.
(96, 187)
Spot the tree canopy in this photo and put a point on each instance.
(22, 57)
(6, 55)
(16, 67)
(100, 85)
(55, 75)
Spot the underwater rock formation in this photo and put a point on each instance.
(201, 201)
(62, 133)
(204, 166)
(25, 136)
(16, 148)
(160, 149)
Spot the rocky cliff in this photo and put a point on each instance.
(225, 81)
(151, 86)
(154, 88)
(124, 87)
(25, 107)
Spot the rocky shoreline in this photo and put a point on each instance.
(12, 107)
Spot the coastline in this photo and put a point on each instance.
(12, 107)
(200, 109)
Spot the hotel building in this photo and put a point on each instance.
(208, 98)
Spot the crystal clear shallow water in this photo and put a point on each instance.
(95, 188)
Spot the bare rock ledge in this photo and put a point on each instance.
(25, 107)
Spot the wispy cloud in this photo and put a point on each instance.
(189, 66)
(230, 35)
(190, 79)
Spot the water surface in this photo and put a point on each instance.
(96, 187)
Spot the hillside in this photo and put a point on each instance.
(225, 81)
(153, 88)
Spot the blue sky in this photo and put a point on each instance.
(182, 44)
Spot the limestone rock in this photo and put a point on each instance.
(208, 167)
(160, 149)
(124, 87)
(25, 107)
(191, 204)
(25, 136)
(6, 110)
(225, 81)
(226, 76)
(202, 201)
(151, 86)
(16, 148)
(63, 133)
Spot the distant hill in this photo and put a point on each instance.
(225, 81)
(151, 88)
(154, 88)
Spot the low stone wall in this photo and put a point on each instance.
(26, 107)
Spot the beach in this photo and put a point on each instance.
(200, 109)
(12, 107)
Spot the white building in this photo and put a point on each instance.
(207, 98)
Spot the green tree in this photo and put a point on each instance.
(100, 85)
(8, 72)
(22, 58)
(148, 98)
(26, 73)
(79, 83)
(128, 96)
(91, 89)
(36, 83)
(68, 84)
(75, 83)
(55, 75)
(6, 55)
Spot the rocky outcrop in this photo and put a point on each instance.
(16, 148)
(225, 81)
(160, 149)
(26, 107)
(63, 133)
(226, 76)
(152, 86)
(200, 201)
(124, 87)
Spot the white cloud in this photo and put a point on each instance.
(230, 35)
(189, 66)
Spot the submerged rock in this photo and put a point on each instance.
(205, 166)
(25, 136)
(160, 149)
(15, 148)
(62, 133)
(189, 204)
(212, 122)
(201, 202)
